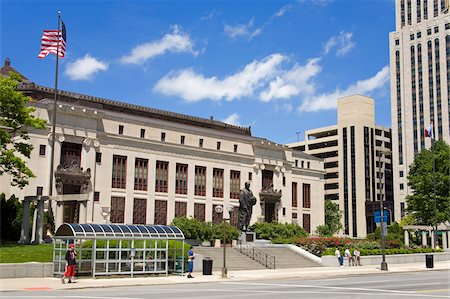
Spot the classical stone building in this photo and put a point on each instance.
(354, 158)
(132, 164)
(420, 84)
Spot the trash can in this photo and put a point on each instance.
(207, 266)
(429, 261)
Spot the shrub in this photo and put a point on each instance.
(273, 231)
(324, 230)
(11, 218)
(205, 231)
(318, 245)
(232, 233)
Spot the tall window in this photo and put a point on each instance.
(216, 217)
(180, 209)
(42, 150)
(181, 179)
(120, 130)
(70, 152)
(117, 210)
(161, 175)
(307, 223)
(160, 212)
(294, 194)
(139, 211)
(306, 196)
(140, 174)
(235, 184)
(119, 172)
(199, 211)
(267, 178)
(142, 133)
(217, 182)
(200, 180)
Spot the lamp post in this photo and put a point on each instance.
(105, 213)
(219, 210)
(384, 265)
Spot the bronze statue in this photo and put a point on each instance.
(246, 203)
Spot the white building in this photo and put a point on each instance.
(149, 166)
(351, 150)
(420, 84)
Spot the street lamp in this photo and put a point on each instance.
(219, 210)
(384, 265)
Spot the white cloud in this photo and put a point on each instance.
(283, 10)
(316, 2)
(176, 42)
(191, 86)
(85, 68)
(233, 119)
(242, 30)
(327, 101)
(208, 15)
(293, 82)
(342, 42)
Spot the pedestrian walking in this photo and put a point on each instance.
(349, 257)
(191, 258)
(71, 264)
(337, 253)
(357, 257)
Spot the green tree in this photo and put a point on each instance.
(15, 120)
(420, 179)
(332, 220)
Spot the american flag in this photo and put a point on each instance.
(50, 42)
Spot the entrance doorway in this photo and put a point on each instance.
(71, 208)
(269, 212)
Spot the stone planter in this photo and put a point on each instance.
(206, 244)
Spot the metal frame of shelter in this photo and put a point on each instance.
(110, 249)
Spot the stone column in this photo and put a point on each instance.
(444, 240)
(432, 237)
(33, 226)
(83, 212)
(406, 238)
(38, 239)
(25, 230)
(59, 214)
(424, 238)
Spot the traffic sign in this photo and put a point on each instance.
(376, 215)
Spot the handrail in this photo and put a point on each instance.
(256, 254)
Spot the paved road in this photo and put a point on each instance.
(434, 284)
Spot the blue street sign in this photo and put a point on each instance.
(376, 215)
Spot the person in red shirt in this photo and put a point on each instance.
(71, 264)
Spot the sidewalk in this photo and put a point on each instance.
(29, 284)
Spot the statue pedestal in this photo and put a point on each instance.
(247, 237)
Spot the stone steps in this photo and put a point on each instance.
(235, 259)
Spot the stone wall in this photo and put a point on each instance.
(32, 269)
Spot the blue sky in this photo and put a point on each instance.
(277, 66)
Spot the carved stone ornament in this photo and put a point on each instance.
(269, 194)
(61, 137)
(72, 174)
(87, 142)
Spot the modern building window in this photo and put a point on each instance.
(235, 184)
(425, 9)
(447, 26)
(140, 174)
(408, 9)
(402, 186)
(250, 176)
(140, 211)
(308, 165)
(200, 142)
(200, 180)
(296, 163)
(397, 42)
(163, 136)
(303, 164)
(402, 12)
(429, 31)
(216, 217)
(436, 29)
(218, 145)
(39, 190)
(181, 178)
(117, 210)
(414, 97)
(98, 157)
(96, 196)
(160, 212)
(142, 133)
(353, 171)
(402, 210)
(161, 176)
(438, 89)
(307, 223)
(284, 180)
(42, 150)
(199, 211)
(419, 34)
(235, 147)
(401, 173)
(420, 81)
(182, 139)
(294, 195)
(346, 205)
(180, 209)
(217, 182)
(70, 153)
(307, 196)
(119, 172)
(411, 36)
(120, 129)
(419, 11)
(435, 8)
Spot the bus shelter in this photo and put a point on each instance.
(118, 249)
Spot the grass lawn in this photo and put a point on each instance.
(14, 253)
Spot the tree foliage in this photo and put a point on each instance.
(332, 220)
(420, 179)
(15, 120)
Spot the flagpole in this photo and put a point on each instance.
(52, 157)
(434, 192)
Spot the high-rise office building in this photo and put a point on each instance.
(420, 84)
(358, 170)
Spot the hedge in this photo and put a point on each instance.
(365, 252)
